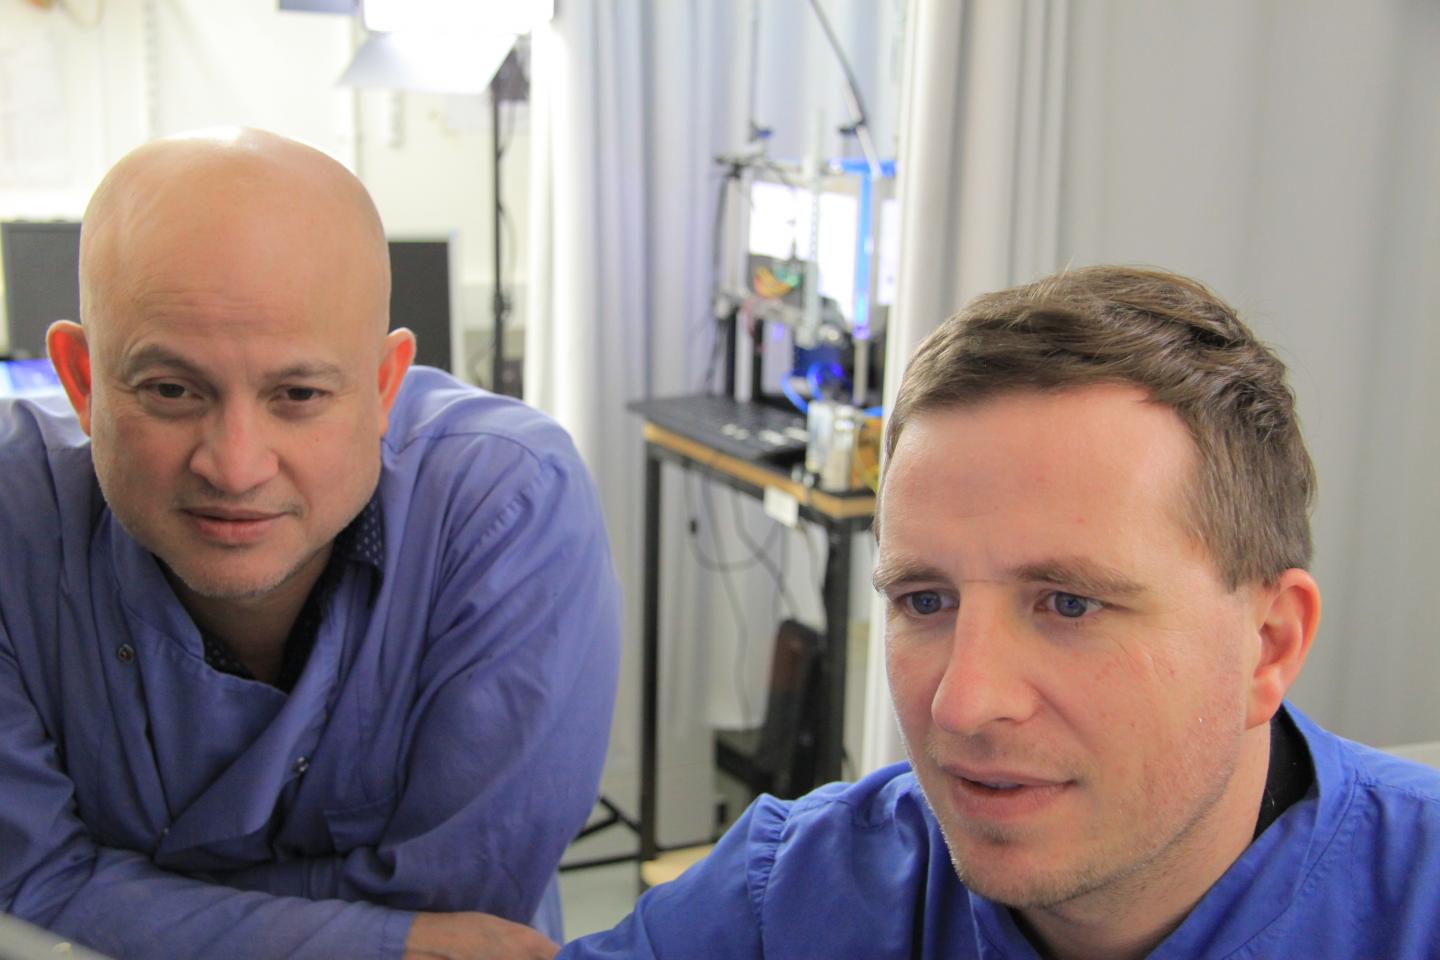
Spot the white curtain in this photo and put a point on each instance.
(631, 101)
(979, 177)
(1286, 154)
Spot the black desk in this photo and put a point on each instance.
(841, 516)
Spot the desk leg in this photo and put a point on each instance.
(830, 749)
(650, 663)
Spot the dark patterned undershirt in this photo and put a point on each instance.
(1290, 773)
(363, 541)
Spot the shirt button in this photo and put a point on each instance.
(125, 653)
(302, 764)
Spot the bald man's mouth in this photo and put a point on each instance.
(231, 527)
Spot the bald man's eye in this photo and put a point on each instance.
(166, 390)
(301, 394)
(301, 401)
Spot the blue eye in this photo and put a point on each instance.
(1072, 606)
(924, 602)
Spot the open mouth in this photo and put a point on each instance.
(1001, 796)
(998, 785)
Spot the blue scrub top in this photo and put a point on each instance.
(1351, 871)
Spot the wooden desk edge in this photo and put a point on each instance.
(841, 508)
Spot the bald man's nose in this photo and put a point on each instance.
(234, 454)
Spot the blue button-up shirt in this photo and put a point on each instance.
(1349, 872)
(442, 745)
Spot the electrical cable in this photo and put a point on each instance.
(817, 564)
(709, 563)
(775, 572)
(716, 258)
(861, 126)
(787, 387)
(742, 636)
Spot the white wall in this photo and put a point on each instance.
(73, 100)
(1286, 153)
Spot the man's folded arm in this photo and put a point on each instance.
(55, 875)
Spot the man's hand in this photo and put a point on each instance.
(474, 936)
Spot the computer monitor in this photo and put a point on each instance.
(421, 297)
(855, 240)
(42, 285)
(840, 233)
(42, 280)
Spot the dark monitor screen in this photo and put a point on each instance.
(420, 297)
(42, 280)
(42, 285)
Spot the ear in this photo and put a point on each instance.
(70, 355)
(399, 354)
(1288, 613)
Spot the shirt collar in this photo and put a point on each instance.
(363, 540)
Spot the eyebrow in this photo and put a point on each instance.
(889, 572)
(154, 355)
(1083, 576)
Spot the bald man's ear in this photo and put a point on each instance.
(399, 354)
(70, 355)
(1288, 614)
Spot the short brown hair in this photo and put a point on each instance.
(1249, 503)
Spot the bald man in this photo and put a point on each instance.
(303, 652)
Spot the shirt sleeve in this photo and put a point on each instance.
(712, 911)
(512, 715)
(53, 874)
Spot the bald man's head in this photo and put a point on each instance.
(233, 357)
(218, 187)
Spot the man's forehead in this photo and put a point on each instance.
(246, 181)
(1114, 431)
(204, 230)
(1037, 480)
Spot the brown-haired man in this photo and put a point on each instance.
(1092, 537)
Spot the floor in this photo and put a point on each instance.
(597, 898)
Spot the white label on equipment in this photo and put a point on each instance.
(781, 506)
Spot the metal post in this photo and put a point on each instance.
(650, 671)
(497, 355)
(831, 735)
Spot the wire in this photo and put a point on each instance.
(742, 635)
(507, 127)
(712, 322)
(861, 126)
(719, 565)
(817, 563)
(775, 572)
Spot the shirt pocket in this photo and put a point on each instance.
(360, 825)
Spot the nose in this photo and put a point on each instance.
(234, 454)
(987, 677)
